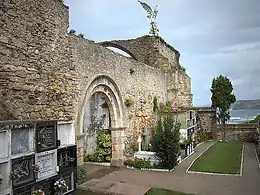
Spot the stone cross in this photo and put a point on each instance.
(139, 143)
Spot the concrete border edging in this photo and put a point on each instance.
(187, 170)
(217, 174)
(242, 160)
(104, 164)
(257, 159)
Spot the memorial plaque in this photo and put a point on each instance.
(23, 166)
(67, 158)
(46, 136)
(4, 146)
(66, 133)
(46, 186)
(70, 178)
(47, 162)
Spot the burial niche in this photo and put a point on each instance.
(96, 118)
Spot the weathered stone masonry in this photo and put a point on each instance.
(46, 73)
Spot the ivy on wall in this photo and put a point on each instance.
(129, 102)
(132, 70)
(155, 104)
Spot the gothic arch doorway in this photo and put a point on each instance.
(103, 105)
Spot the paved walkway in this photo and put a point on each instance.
(179, 180)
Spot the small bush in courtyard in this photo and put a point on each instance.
(81, 175)
(138, 163)
(165, 141)
(103, 153)
(203, 136)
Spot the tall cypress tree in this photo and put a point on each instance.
(165, 141)
(222, 98)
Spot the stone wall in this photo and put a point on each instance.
(179, 89)
(156, 53)
(238, 132)
(46, 73)
(149, 50)
(35, 60)
(207, 120)
(91, 60)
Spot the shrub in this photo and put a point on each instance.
(204, 136)
(183, 69)
(165, 141)
(138, 163)
(129, 163)
(129, 102)
(81, 35)
(103, 153)
(89, 158)
(132, 70)
(81, 175)
(155, 104)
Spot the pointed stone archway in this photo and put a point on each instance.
(104, 85)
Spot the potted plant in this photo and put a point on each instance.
(38, 192)
(35, 168)
(60, 187)
(14, 175)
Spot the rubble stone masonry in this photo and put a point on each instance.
(45, 72)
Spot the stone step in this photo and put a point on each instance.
(109, 187)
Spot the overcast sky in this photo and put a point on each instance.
(213, 37)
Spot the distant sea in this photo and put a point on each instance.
(242, 115)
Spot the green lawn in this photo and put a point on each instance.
(223, 157)
(159, 191)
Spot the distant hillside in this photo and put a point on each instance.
(246, 104)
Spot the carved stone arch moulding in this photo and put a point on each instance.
(106, 85)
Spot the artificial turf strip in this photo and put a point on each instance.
(159, 191)
(222, 157)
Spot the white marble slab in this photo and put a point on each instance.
(147, 155)
(66, 133)
(47, 162)
(4, 177)
(4, 146)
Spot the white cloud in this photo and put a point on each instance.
(213, 37)
(241, 47)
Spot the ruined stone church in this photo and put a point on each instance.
(47, 73)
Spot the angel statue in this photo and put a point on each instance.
(152, 14)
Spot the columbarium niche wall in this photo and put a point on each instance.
(26, 144)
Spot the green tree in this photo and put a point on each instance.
(165, 141)
(222, 98)
(155, 104)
